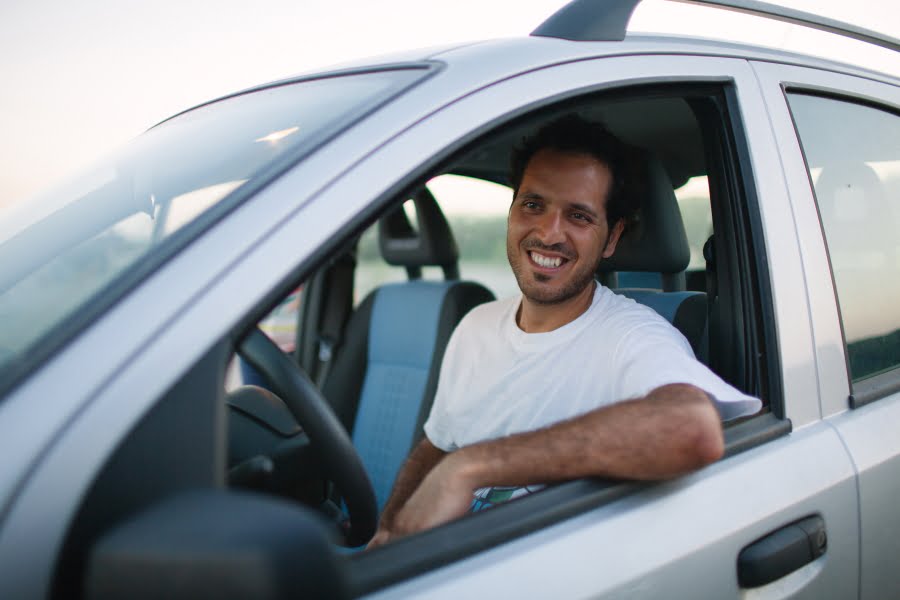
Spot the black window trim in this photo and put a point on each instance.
(865, 391)
(734, 197)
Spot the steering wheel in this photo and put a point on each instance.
(327, 436)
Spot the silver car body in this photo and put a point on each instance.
(675, 539)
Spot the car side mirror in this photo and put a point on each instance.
(218, 544)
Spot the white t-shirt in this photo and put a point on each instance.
(497, 380)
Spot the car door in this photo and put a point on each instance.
(676, 539)
(843, 165)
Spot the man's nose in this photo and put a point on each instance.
(550, 228)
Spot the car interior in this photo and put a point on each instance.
(329, 423)
(378, 362)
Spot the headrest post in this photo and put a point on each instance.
(673, 282)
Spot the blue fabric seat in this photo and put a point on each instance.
(385, 377)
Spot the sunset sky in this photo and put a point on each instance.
(82, 78)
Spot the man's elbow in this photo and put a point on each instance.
(709, 447)
(707, 440)
(699, 428)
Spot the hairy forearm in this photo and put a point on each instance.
(672, 431)
(421, 461)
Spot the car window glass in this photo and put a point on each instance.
(476, 211)
(853, 155)
(64, 249)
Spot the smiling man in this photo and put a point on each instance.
(570, 379)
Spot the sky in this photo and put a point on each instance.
(80, 79)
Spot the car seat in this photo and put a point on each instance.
(383, 379)
(658, 244)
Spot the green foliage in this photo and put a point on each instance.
(480, 239)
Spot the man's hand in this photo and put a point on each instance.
(421, 461)
(445, 494)
(381, 537)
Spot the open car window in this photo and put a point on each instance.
(471, 193)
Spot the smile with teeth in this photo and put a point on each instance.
(545, 261)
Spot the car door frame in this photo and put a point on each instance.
(833, 496)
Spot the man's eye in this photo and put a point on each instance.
(580, 216)
(530, 204)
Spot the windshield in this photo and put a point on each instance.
(60, 253)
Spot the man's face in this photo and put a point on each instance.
(557, 231)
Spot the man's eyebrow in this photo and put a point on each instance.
(530, 195)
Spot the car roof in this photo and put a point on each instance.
(486, 62)
(512, 55)
(632, 121)
(495, 59)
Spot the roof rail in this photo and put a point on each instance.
(607, 20)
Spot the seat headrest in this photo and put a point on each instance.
(851, 193)
(430, 244)
(658, 242)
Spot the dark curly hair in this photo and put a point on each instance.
(577, 135)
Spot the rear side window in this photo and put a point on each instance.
(852, 152)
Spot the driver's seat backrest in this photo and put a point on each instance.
(658, 244)
(394, 343)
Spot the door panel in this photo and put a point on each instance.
(870, 434)
(870, 430)
(681, 539)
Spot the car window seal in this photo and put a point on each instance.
(755, 431)
(761, 296)
(868, 390)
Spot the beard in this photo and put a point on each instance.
(537, 287)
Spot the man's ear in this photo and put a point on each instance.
(613, 238)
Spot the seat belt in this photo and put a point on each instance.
(338, 304)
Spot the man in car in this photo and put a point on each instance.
(569, 380)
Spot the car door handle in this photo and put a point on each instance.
(782, 551)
